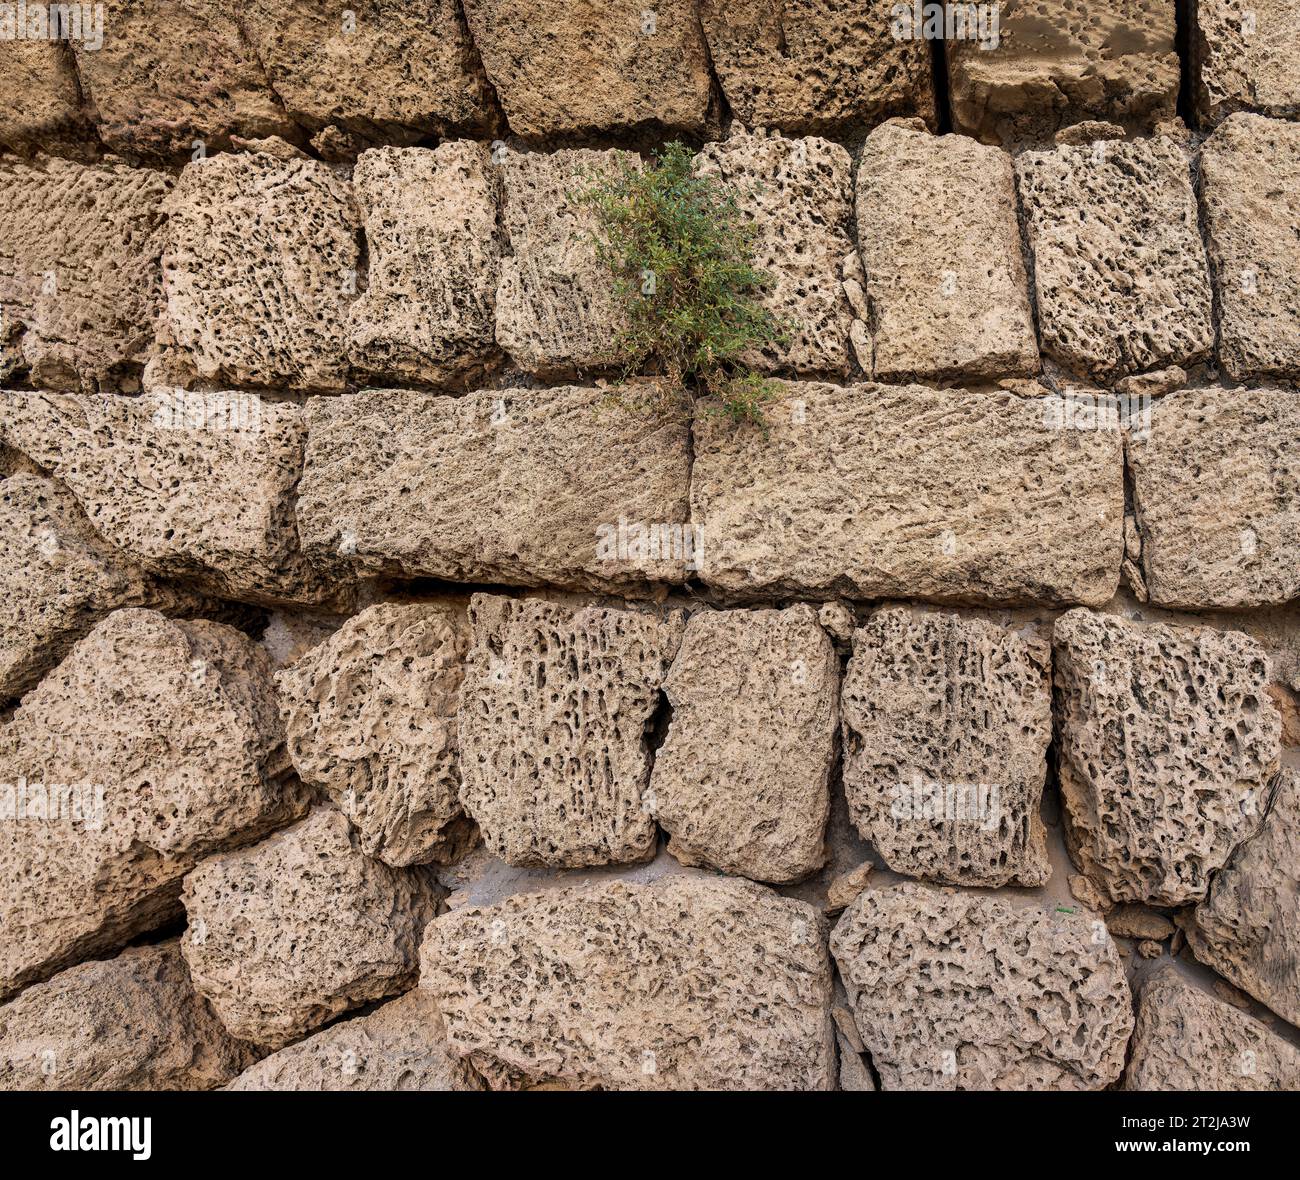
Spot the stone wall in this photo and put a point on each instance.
(388, 700)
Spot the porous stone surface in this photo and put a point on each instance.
(1216, 498)
(741, 780)
(948, 290)
(58, 578)
(1187, 1040)
(1119, 267)
(1246, 58)
(155, 743)
(684, 984)
(876, 491)
(1248, 928)
(129, 1023)
(427, 314)
(190, 485)
(575, 67)
(79, 269)
(388, 71)
(1250, 192)
(401, 1045)
(956, 990)
(512, 486)
(370, 715)
(40, 102)
(555, 711)
(1060, 62)
(1167, 742)
(820, 67)
(172, 74)
(286, 935)
(947, 721)
(557, 312)
(261, 262)
(796, 196)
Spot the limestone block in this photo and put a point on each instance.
(1246, 58)
(40, 103)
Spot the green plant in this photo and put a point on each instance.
(682, 256)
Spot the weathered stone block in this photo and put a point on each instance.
(1246, 58)
(260, 265)
(741, 780)
(947, 721)
(371, 718)
(79, 270)
(875, 491)
(129, 1023)
(1168, 739)
(1119, 266)
(399, 1046)
(288, 934)
(1011, 998)
(572, 67)
(940, 245)
(686, 984)
(154, 744)
(428, 312)
(1216, 497)
(1053, 63)
(820, 67)
(1248, 928)
(40, 102)
(1250, 190)
(171, 73)
(795, 195)
(512, 486)
(1188, 1040)
(555, 709)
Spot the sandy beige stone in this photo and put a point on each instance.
(190, 485)
(821, 67)
(515, 486)
(1216, 495)
(79, 270)
(575, 67)
(129, 1023)
(685, 984)
(174, 73)
(40, 101)
(1248, 928)
(371, 718)
(1012, 999)
(940, 244)
(555, 710)
(288, 934)
(399, 1046)
(159, 743)
(796, 195)
(876, 491)
(740, 782)
(947, 721)
(427, 314)
(844, 888)
(1250, 194)
(261, 263)
(1246, 58)
(1167, 741)
(1187, 1040)
(390, 72)
(1135, 921)
(1058, 62)
(1119, 267)
(557, 312)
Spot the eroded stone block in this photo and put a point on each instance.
(40, 102)
(685, 984)
(288, 934)
(1246, 58)
(1168, 739)
(555, 710)
(947, 721)
(1012, 998)
(740, 781)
